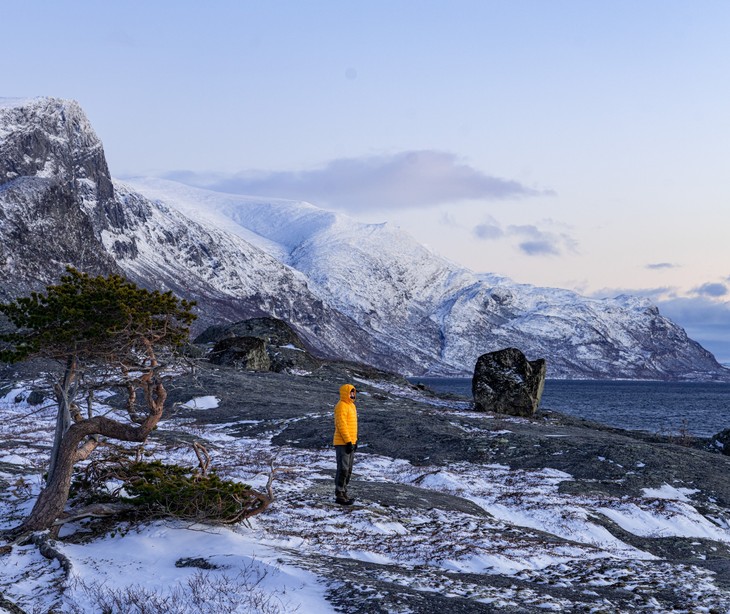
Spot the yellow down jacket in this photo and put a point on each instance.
(345, 418)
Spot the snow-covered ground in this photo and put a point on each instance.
(277, 562)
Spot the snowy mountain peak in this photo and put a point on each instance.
(51, 138)
(65, 119)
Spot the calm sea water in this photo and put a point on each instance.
(654, 407)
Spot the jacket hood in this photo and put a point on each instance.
(345, 392)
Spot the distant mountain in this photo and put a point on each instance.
(355, 291)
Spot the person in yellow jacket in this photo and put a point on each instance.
(345, 441)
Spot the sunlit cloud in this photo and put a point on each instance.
(411, 179)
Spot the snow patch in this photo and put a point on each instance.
(207, 402)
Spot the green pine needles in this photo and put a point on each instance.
(106, 333)
(158, 490)
(171, 490)
(94, 317)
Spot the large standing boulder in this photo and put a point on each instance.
(506, 382)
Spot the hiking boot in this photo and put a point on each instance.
(344, 501)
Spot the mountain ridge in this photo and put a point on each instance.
(394, 284)
(364, 292)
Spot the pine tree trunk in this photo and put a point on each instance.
(52, 499)
(63, 417)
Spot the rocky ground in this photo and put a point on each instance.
(458, 509)
(609, 467)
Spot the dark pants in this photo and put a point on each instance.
(344, 470)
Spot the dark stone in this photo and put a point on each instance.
(721, 442)
(285, 349)
(506, 382)
(274, 331)
(36, 397)
(248, 353)
(198, 562)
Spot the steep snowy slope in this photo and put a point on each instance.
(230, 278)
(414, 300)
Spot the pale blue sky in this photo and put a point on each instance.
(577, 144)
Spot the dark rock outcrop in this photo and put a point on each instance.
(247, 353)
(273, 331)
(259, 344)
(721, 442)
(506, 382)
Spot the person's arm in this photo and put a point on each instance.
(343, 428)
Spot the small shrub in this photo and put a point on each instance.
(202, 593)
(159, 490)
(171, 490)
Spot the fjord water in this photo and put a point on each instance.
(669, 408)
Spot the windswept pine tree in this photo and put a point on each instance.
(103, 333)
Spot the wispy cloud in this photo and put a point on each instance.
(531, 239)
(408, 179)
(543, 247)
(488, 230)
(658, 266)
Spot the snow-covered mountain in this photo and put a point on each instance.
(412, 299)
(355, 291)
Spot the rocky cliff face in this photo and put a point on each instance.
(352, 291)
(53, 181)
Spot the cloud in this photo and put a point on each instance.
(489, 230)
(538, 242)
(447, 219)
(661, 265)
(711, 289)
(404, 180)
(532, 240)
(539, 248)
